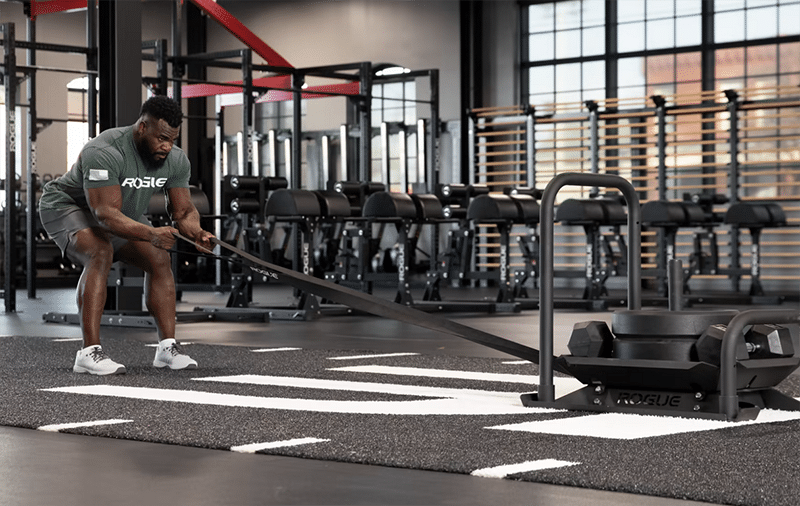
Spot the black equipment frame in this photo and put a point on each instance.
(728, 403)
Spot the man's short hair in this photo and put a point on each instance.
(162, 107)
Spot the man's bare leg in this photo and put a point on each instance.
(159, 284)
(95, 253)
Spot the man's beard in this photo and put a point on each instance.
(149, 157)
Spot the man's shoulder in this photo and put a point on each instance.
(109, 146)
(109, 138)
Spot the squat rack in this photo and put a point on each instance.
(11, 81)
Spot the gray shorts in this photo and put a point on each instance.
(62, 225)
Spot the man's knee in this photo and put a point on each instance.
(161, 262)
(91, 250)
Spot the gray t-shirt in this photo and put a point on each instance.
(111, 159)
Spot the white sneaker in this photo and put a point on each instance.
(170, 354)
(93, 360)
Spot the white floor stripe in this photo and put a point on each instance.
(440, 373)
(267, 350)
(443, 401)
(252, 448)
(630, 426)
(563, 385)
(525, 467)
(61, 426)
(382, 355)
(67, 339)
(518, 362)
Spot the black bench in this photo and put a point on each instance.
(755, 217)
(602, 260)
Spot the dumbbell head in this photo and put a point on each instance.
(759, 341)
(709, 345)
(590, 339)
(769, 341)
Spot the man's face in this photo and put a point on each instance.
(155, 140)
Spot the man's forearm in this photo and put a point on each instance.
(120, 225)
(188, 223)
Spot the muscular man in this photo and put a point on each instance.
(94, 212)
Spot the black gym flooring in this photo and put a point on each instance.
(349, 410)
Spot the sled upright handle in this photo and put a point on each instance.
(546, 219)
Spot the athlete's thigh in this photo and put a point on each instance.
(145, 256)
(89, 243)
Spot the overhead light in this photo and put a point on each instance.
(391, 70)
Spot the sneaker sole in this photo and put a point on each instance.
(164, 364)
(83, 370)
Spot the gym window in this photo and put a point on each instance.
(655, 47)
(395, 104)
(77, 114)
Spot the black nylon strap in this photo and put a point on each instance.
(377, 306)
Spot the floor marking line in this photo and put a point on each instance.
(353, 386)
(443, 402)
(61, 426)
(517, 362)
(254, 447)
(440, 373)
(268, 350)
(382, 355)
(66, 339)
(626, 426)
(563, 385)
(524, 467)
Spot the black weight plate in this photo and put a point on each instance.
(660, 323)
(654, 349)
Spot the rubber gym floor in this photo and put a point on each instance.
(178, 451)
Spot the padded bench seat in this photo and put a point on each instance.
(663, 213)
(591, 212)
(755, 215)
(292, 203)
(522, 209)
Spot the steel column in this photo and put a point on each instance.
(733, 185)
(296, 176)
(661, 145)
(91, 68)
(530, 148)
(385, 163)
(594, 144)
(422, 159)
(178, 8)
(31, 175)
(120, 67)
(471, 139)
(402, 155)
(365, 121)
(10, 216)
(218, 175)
(434, 167)
(247, 112)
(272, 142)
(344, 149)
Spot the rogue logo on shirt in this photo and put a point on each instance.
(144, 182)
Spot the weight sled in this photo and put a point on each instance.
(716, 364)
